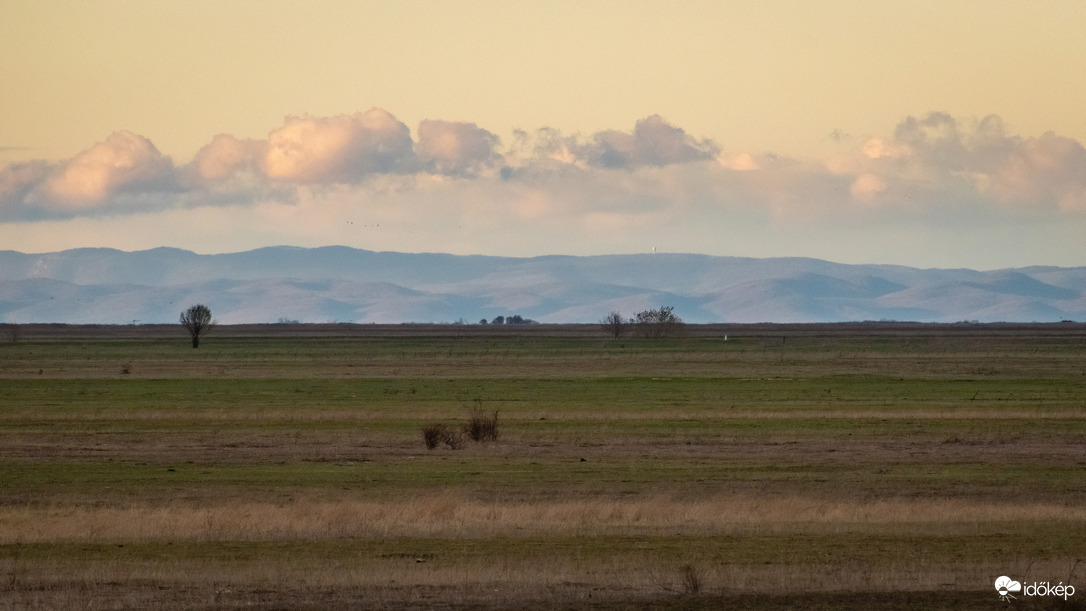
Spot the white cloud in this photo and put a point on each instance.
(1038, 171)
(653, 142)
(451, 148)
(940, 158)
(310, 150)
(223, 159)
(17, 181)
(125, 163)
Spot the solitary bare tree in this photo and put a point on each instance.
(614, 324)
(197, 320)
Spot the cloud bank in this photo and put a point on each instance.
(455, 186)
(942, 158)
(123, 170)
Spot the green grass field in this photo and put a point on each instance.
(788, 467)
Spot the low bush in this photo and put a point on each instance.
(436, 434)
(691, 579)
(482, 426)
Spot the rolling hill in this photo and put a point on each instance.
(106, 286)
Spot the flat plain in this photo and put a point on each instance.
(750, 466)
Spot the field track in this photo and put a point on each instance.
(850, 466)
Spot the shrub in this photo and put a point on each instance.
(454, 440)
(691, 579)
(482, 426)
(436, 434)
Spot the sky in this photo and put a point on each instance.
(930, 134)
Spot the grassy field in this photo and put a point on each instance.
(837, 466)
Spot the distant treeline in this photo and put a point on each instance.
(515, 319)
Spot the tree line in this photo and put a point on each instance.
(515, 319)
(651, 323)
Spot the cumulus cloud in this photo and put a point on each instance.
(450, 148)
(652, 171)
(1050, 168)
(224, 158)
(110, 175)
(17, 181)
(227, 171)
(124, 162)
(938, 155)
(653, 142)
(340, 149)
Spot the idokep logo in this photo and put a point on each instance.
(1005, 586)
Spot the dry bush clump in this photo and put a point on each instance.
(482, 426)
(436, 434)
(691, 579)
(432, 435)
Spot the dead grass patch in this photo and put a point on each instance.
(450, 515)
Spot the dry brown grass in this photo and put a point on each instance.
(451, 515)
(564, 579)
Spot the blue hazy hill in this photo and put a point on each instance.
(351, 285)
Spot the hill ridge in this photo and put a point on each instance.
(344, 284)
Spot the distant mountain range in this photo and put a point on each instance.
(339, 284)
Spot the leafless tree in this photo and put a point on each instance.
(614, 324)
(197, 321)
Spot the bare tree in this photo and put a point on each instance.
(658, 323)
(197, 321)
(614, 324)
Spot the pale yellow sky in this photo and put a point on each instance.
(929, 132)
(753, 76)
